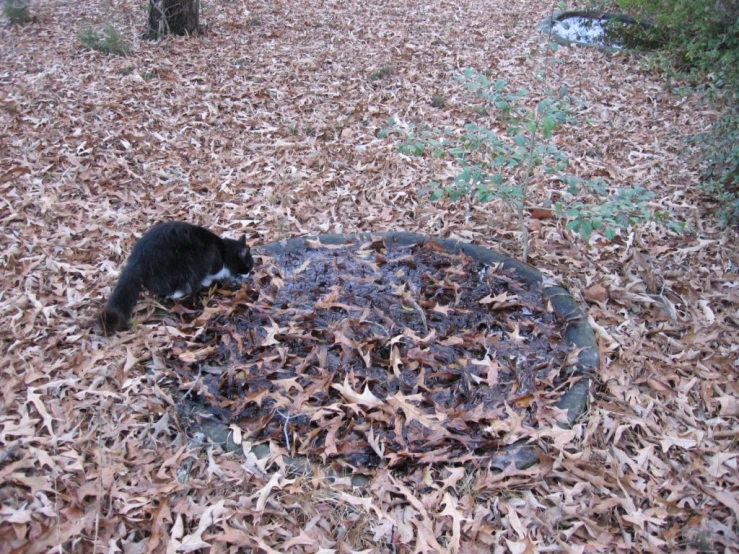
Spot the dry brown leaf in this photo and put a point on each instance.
(364, 399)
(596, 293)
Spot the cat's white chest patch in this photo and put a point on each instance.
(224, 273)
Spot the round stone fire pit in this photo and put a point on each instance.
(391, 349)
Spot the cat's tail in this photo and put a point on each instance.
(118, 309)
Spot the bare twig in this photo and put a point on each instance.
(521, 208)
(195, 382)
(418, 308)
(100, 493)
(286, 419)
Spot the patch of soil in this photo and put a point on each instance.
(377, 351)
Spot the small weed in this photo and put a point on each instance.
(593, 206)
(437, 101)
(720, 150)
(107, 41)
(381, 73)
(16, 11)
(125, 71)
(495, 165)
(149, 75)
(703, 543)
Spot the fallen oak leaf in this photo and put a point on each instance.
(365, 399)
(414, 413)
(162, 515)
(376, 443)
(277, 481)
(729, 406)
(521, 547)
(509, 429)
(395, 360)
(35, 399)
(368, 504)
(669, 441)
(612, 344)
(727, 499)
(422, 532)
(195, 541)
(515, 335)
(493, 368)
(301, 539)
(232, 536)
(596, 293)
(499, 301)
(272, 332)
(302, 267)
(523, 402)
(19, 516)
(451, 509)
(14, 172)
(722, 463)
(193, 357)
(541, 213)
(708, 313)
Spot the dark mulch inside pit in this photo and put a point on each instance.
(376, 353)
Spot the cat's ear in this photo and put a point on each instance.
(245, 250)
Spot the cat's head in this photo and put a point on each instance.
(239, 260)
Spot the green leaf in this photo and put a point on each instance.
(677, 226)
(412, 148)
(456, 193)
(586, 229)
(549, 124)
(610, 233)
(484, 194)
(544, 105)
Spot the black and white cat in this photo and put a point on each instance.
(173, 259)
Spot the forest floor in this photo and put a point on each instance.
(269, 125)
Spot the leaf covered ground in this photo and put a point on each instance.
(378, 354)
(268, 125)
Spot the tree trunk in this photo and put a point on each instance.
(172, 17)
